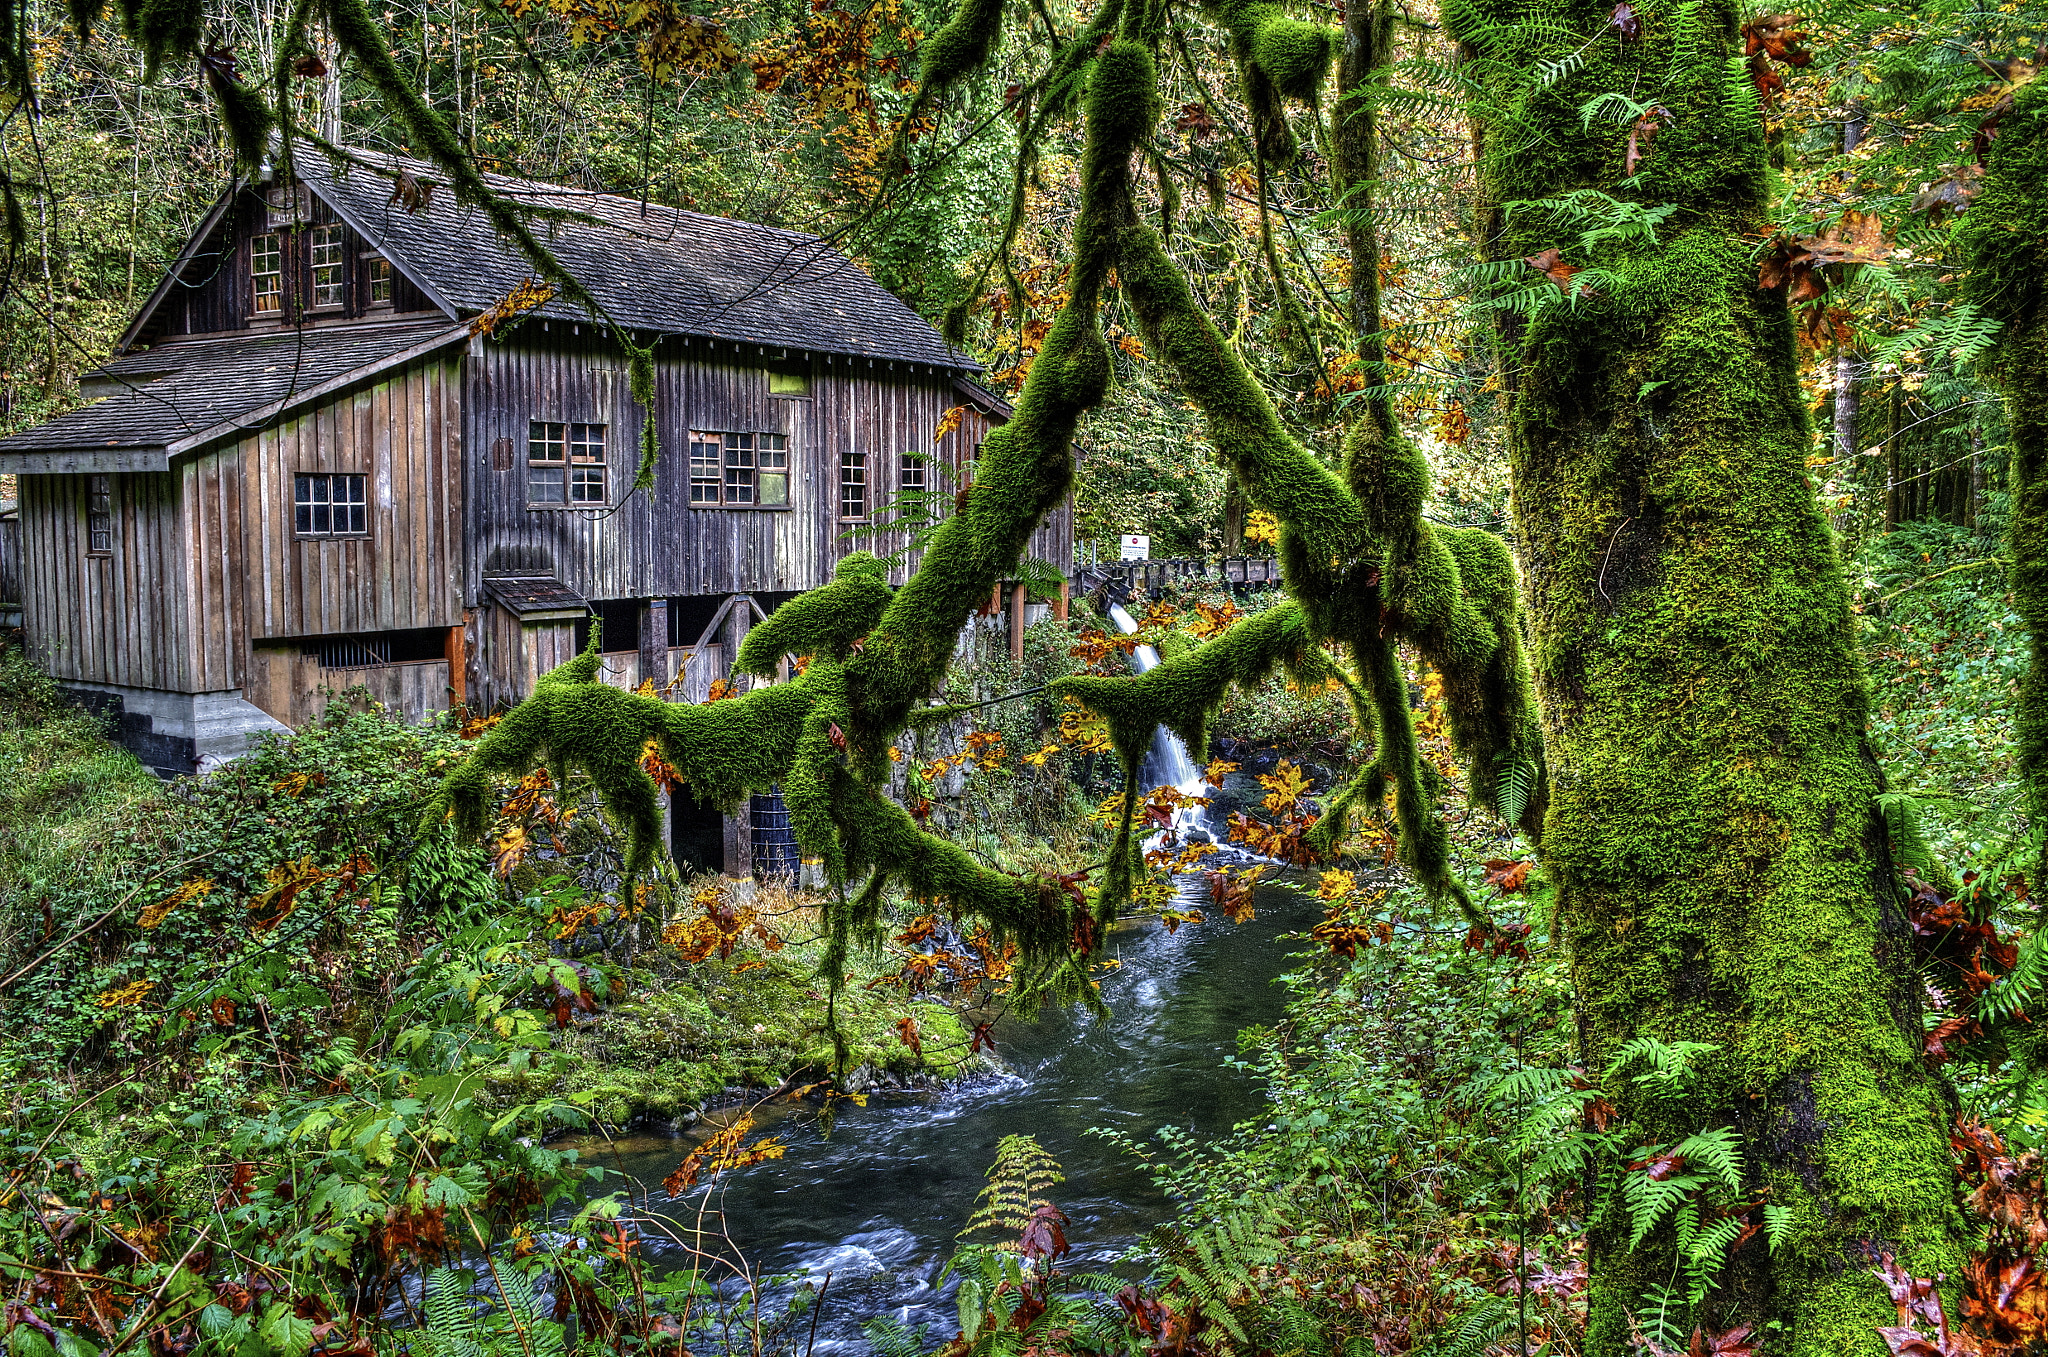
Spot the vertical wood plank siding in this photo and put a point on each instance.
(658, 545)
(255, 579)
(117, 618)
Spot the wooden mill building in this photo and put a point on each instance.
(302, 471)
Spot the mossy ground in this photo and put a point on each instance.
(743, 1027)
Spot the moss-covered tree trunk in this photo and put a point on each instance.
(2004, 238)
(1722, 868)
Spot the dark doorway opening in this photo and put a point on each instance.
(696, 834)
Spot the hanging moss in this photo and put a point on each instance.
(825, 736)
(1278, 59)
(2004, 237)
(821, 622)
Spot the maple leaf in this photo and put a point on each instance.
(308, 67)
(1507, 875)
(1776, 36)
(1625, 21)
(1195, 120)
(907, 1033)
(1551, 265)
(983, 1039)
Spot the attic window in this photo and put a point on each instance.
(789, 383)
(377, 272)
(564, 465)
(266, 273)
(325, 246)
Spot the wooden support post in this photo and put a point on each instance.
(739, 829)
(1017, 597)
(1060, 605)
(458, 665)
(654, 642)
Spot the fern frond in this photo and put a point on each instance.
(1018, 1181)
(1717, 1152)
(1777, 1227)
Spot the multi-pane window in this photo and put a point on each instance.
(99, 514)
(743, 469)
(564, 464)
(913, 471)
(324, 248)
(266, 273)
(853, 485)
(330, 506)
(379, 279)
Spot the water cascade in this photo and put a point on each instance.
(1167, 763)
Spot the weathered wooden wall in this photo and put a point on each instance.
(295, 687)
(660, 545)
(258, 580)
(119, 618)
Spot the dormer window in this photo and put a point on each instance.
(266, 274)
(324, 246)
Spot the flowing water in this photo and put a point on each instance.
(1167, 764)
(878, 1203)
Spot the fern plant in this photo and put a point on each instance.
(456, 1322)
(1690, 1188)
(1018, 1181)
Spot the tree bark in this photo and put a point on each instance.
(1723, 872)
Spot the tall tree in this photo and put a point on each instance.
(1723, 867)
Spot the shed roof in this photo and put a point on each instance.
(202, 388)
(651, 267)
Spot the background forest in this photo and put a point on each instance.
(276, 1054)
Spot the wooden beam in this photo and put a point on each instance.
(1018, 594)
(458, 664)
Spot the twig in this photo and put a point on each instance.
(1601, 583)
(1939, 574)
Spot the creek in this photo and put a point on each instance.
(878, 1202)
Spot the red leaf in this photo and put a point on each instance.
(1045, 1235)
(906, 1031)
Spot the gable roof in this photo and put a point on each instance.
(194, 391)
(651, 267)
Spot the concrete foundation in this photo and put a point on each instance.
(177, 734)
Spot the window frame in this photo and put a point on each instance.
(570, 436)
(372, 259)
(357, 504)
(332, 236)
(723, 464)
(99, 514)
(257, 294)
(853, 460)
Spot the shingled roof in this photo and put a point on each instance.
(651, 267)
(192, 390)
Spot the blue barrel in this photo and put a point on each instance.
(775, 851)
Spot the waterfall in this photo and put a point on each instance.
(1167, 762)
